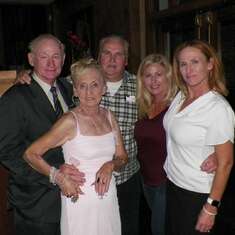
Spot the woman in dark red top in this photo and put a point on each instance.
(155, 90)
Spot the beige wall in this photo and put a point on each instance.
(6, 80)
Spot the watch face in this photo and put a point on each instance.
(212, 202)
(215, 203)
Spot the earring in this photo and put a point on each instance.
(75, 100)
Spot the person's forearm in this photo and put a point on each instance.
(224, 156)
(220, 180)
(218, 187)
(37, 163)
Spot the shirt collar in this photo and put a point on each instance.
(45, 86)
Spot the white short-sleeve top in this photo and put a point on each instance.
(191, 136)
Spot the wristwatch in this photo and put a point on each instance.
(213, 202)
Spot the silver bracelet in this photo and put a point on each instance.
(52, 175)
(208, 212)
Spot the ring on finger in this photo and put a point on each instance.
(74, 199)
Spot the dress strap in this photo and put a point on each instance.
(76, 119)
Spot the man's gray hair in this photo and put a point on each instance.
(34, 43)
(114, 37)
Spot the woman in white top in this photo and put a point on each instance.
(199, 122)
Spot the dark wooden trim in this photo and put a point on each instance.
(188, 7)
(227, 14)
(150, 27)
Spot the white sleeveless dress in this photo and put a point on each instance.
(90, 215)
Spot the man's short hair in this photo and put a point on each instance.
(33, 44)
(114, 37)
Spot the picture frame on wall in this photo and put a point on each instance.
(162, 5)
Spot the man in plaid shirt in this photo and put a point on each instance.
(120, 98)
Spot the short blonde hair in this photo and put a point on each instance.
(144, 98)
(79, 67)
(216, 76)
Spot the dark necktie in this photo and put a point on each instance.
(57, 105)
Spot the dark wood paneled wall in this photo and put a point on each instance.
(107, 17)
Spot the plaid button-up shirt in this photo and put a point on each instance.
(123, 105)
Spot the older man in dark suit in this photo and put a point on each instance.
(26, 112)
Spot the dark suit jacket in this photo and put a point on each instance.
(26, 114)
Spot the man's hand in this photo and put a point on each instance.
(74, 173)
(67, 186)
(23, 77)
(210, 164)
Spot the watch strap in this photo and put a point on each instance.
(213, 202)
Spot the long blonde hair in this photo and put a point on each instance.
(144, 98)
(216, 79)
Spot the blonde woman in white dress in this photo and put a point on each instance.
(91, 140)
